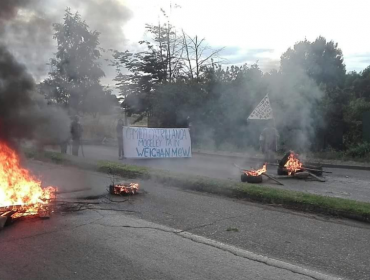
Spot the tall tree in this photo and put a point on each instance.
(75, 71)
(358, 84)
(164, 60)
(158, 63)
(320, 60)
(318, 74)
(198, 56)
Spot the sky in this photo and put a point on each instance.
(261, 30)
(250, 30)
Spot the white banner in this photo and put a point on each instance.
(141, 142)
(263, 111)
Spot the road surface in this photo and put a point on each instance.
(344, 183)
(139, 237)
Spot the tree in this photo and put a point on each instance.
(322, 61)
(163, 61)
(74, 79)
(361, 84)
(318, 83)
(157, 64)
(197, 56)
(358, 85)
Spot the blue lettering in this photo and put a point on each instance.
(161, 153)
(140, 142)
(138, 153)
(187, 152)
(146, 152)
(167, 152)
(174, 152)
(153, 152)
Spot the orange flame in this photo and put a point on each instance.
(18, 188)
(257, 172)
(293, 164)
(126, 188)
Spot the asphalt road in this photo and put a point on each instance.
(124, 237)
(107, 245)
(344, 183)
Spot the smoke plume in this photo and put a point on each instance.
(26, 27)
(24, 114)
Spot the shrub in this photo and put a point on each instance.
(359, 151)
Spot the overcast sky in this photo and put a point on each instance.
(250, 30)
(262, 30)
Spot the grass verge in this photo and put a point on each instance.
(289, 199)
(45, 155)
(300, 201)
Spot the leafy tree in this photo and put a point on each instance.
(361, 84)
(358, 84)
(74, 79)
(320, 60)
(139, 73)
(167, 58)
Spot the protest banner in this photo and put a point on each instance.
(263, 111)
(141, 142)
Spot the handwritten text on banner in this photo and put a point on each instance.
(156, 142)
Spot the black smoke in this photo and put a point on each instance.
(24, 114)
(26, 27)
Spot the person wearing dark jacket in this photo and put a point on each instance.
(119, 129)
(268, 140)
(76, 133)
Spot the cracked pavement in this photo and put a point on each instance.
(138, 237)
(122, 247)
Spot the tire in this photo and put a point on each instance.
(111, 189)
(244, 178)
(254, 179)
(281, 171)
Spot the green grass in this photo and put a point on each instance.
(285, 198)
(45, 155)
(123, 170)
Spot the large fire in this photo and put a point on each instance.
(257, 172)
(293, 164)
(18, 188)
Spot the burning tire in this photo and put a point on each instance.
(111, 189)
(244, 177)
(254, 179)
(281, 171)
(250, 179)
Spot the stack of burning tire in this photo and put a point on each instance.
(290, 165)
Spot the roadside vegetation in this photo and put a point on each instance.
(299, 201)
(175, 79)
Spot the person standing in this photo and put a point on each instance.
(76, 133)
(268, 141)
(119, 130)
